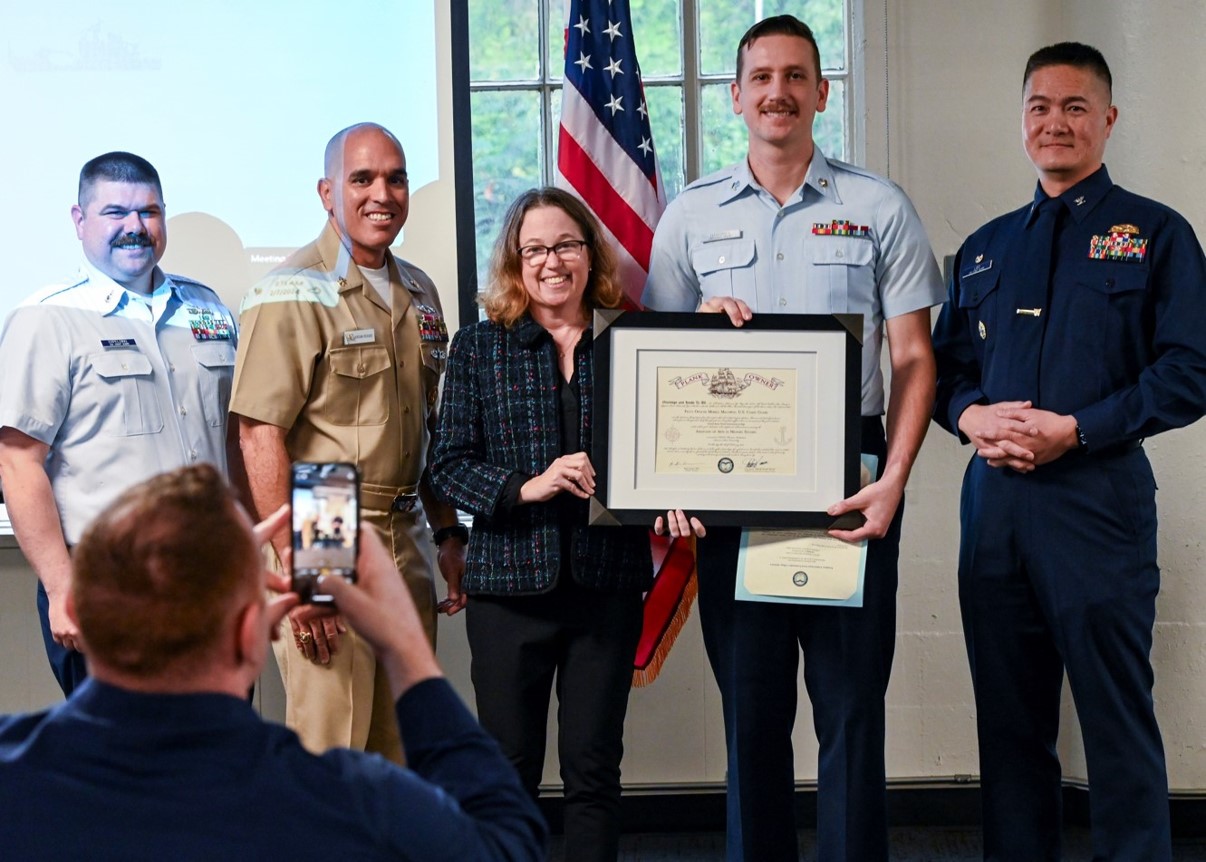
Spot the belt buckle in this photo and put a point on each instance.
(404, 503)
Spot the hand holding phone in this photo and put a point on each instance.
(325, 525)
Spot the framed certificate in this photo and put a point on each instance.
(756, 426)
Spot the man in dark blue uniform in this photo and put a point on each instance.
(1076, 327)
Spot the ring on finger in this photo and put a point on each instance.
(304, 637)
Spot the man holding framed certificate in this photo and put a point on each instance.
(790, 231)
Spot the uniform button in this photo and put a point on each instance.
(125, 367)
(192, 453)
(824, 183)
(837, 253)
(783, 300)
(183, 410)
(720, 259)
(401, 362)
(406, 408)
(406, 454)
(360, 367)
(171, 368)
(779, 256)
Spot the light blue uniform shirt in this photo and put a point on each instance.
(120, 386)
(725, 235)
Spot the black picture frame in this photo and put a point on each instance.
(827, 348)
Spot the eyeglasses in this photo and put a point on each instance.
(567, 251)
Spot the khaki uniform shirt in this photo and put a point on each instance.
(322, 356)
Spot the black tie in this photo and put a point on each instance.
(1033, 298)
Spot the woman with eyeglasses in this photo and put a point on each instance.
(552, 601)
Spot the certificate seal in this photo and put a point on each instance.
(799, 579)
(725, 465)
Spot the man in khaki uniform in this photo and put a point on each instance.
(340, 356)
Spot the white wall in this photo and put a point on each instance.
(953, 110)
(955, 120)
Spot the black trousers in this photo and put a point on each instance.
(583, 642)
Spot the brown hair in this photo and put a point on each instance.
(157, 575)
(506, 300)
(778, 25)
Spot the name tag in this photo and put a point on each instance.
(359, 336)
(978, 268)
(724, 234)
(117, 343)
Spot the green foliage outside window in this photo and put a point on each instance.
(510, 78)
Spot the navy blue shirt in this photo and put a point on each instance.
(1122, 320)
(114, 774)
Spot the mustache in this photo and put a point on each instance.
(132, 240)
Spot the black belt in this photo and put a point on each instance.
(389, 499)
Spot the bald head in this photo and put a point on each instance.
(366, 191)
(333, 157)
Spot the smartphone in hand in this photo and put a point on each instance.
(325, 499)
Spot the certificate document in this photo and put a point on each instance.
(802, 566)
(717, 421)
(752, 426)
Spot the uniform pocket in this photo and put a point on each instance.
(1109, 305)
(726, 268)
(129, 402)
(359, 385)
(978, 301)
(215, 372)
(837, 262)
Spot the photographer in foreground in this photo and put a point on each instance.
(160, 756)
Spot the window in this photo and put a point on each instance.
(687, 52)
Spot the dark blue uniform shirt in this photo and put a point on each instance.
(1122, 321)
(114, 774)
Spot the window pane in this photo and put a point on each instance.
(501, 36)
(829, 128)
(722, 23)
(666, 118)
(556, 32)
(506, 161)
(724, 133)
(658, 27)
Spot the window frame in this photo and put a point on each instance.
(691, 81)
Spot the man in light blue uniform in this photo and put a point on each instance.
(126, 372)
(790, 231)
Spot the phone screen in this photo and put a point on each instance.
(326, 525)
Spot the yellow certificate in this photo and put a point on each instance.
(803, 566)
(718, 420)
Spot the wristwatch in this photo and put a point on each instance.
(458, 530)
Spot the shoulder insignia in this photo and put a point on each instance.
(293, 287)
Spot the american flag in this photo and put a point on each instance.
(605, 155)
(605, 151)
